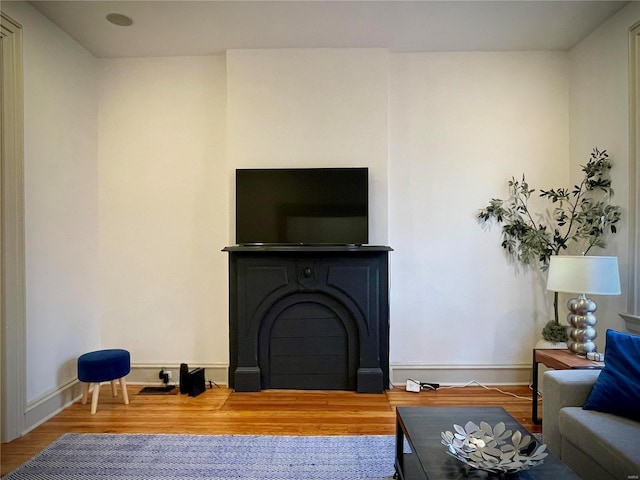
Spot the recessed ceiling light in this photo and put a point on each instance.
(119, 19)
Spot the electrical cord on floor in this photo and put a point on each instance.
(539, 394)
(474, 382)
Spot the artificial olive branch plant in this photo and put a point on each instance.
(580, 219)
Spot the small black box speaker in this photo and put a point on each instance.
(191, 381)
(184, 378)
(196, 382)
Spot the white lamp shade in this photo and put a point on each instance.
(584, 274)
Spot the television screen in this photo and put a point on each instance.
(302, 206)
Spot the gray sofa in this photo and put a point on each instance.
(595, 445)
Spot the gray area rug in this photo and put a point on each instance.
(246, 457)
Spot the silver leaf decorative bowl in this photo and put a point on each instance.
(496, 449)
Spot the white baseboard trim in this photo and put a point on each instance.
(147, 373)
(51, 403)
(519, 374)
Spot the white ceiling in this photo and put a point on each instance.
(185, 27)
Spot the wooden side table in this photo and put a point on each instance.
(558, 359)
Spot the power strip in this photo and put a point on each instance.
(416, 386)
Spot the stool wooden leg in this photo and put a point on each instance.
(94, 398)
(114, 388)
(85, 393)
(123, 387)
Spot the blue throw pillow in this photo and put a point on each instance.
(617, 389)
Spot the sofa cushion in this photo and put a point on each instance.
(617, 389)
(582, 464)
(610, 440)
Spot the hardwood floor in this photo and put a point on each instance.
(270, 412)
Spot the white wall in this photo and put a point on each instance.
(163, 209)
(164, 185)
(462, 124)
(312, 108)
(61, 202)
(599, 107)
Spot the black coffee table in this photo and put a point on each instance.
(427, 458)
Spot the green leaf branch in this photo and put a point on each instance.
(578, 219)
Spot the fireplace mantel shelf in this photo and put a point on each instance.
(307, 248)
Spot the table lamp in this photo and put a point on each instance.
(583, 275)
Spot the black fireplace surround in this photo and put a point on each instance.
(309, 317)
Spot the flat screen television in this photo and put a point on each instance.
(302, 206)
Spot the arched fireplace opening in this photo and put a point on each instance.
(308, 341)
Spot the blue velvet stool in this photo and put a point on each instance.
(103, 366)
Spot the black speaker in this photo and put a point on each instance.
(191, 382)
(184, 378)
(196, 382)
